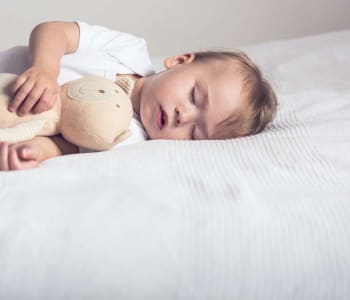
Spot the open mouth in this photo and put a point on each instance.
(162, 118)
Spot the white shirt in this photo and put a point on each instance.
(104, 52)
(101, 52)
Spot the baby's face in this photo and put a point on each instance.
(188, 99)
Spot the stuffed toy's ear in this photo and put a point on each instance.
(122, 137)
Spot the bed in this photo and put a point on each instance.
(260, 217)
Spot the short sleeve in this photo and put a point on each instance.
(130, 50)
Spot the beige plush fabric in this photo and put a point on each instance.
(91, 112)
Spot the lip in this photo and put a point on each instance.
(159, 114)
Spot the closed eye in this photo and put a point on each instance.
(193, 97)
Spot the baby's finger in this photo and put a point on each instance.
(21, 95)
(16, 163)
(18, 83)
(27, 153)
(30, 101)
(13, 161)
(45, 102)
(4, 156)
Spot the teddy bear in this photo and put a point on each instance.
(91, 112)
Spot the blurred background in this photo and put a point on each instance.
(172, 27)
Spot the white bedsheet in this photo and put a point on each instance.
(262, 217)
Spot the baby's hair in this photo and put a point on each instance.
(261, 103)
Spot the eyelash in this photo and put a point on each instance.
(194, 103)
(193, 96)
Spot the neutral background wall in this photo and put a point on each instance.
(182, 25)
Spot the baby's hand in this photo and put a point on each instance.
(34, 90)
(19, 156)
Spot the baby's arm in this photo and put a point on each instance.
(29, 154)
(35, 89)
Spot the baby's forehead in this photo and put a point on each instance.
(221, 62)
(219, 68)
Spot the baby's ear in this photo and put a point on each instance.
(172, 61)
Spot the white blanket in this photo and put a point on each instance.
(261, 217)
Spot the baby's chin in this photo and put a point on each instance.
(146, 121)
(151, 135)
(148, 132)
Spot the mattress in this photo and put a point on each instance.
(260, 217)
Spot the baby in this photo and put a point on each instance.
(202, 95)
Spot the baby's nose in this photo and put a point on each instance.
(185, 116)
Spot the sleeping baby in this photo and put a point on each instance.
(199, 95)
